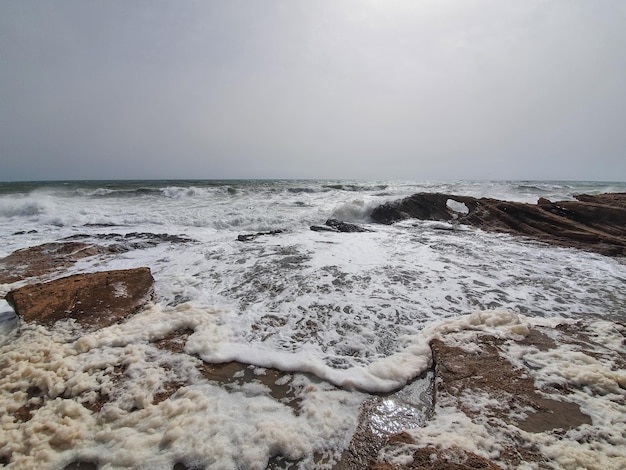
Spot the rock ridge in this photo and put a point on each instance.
(594, 223)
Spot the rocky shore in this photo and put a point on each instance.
(511, 397)
(504, 391)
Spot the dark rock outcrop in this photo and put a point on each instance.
(94, 300)
(593, 223)
(334, 225)
(133, 240)
(246, 237)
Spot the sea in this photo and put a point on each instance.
(342, 317)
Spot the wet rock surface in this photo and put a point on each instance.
(482, 385)
(246, 237)
(278, 383)
(489, 372)
(384, 416)
(45, 259)
(593, 222)
(54, 258)
(94, 300)
(119, 243)
(334, 225)
(433, 458)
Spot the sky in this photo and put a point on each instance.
(357, 89)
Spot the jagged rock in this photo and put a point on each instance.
(334, 225)
(44, 259)
(94, 300)
(593, 223)
(251, 236)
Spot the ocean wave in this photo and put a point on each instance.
(178, 192)
(532, 187)
(169, 192)
(357, 210)
(115, 193)
(119, 192)
(99, 192)
(303, 190)
(356, 187)
(28, 207)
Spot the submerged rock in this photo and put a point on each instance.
(334, 225)
(94, 300)
(246, 237)
(52, 259)
(133, 240)
(593, 223)
(45, 259)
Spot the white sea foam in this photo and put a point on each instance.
(242, 427)
(203, 423)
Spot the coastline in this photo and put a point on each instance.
(68, 385)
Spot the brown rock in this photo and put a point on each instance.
(44, 259)
(461, 372)
(512, 402)
(365, 442)
(593, 223)
(94, 300)
(434, 458)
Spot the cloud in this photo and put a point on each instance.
(394, 89)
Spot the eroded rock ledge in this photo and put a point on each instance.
(41, 260)
(53, 259)
(593, 223)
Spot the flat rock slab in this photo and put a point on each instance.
(434, 458)
(94, 300)
(53, 259)
(40, 260)
(488, 372)
(478, 384)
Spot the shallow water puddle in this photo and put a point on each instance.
(385, 415)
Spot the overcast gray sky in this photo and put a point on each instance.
(402, 89)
